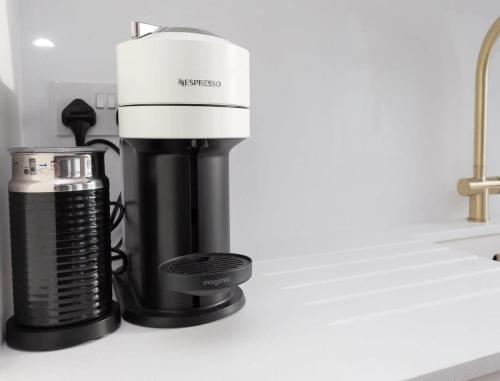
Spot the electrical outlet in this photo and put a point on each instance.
(101, 96)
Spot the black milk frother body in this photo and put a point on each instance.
(60, 248)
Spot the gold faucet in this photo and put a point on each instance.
(479, 187)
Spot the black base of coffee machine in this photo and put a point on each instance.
(49, 339)
(180, 269)
(134, 313)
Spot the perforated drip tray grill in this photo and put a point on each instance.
(206, 264)
(204, 273)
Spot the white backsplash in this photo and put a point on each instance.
(361, 110)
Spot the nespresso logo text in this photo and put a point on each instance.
(216, 282)
(198, 82)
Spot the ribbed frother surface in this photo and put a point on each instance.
(60, 256)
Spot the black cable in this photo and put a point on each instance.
(111, 145)
(117, 213)
(115, 148)
(121, 255)
(80, 116)
(80, 129)
(119, 244)
(116, 221)
(115, 210)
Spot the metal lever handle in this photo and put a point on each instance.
(470, 187)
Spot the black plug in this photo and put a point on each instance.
(79, 116)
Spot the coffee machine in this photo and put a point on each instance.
(183, 97)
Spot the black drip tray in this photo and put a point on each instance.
(205, 273)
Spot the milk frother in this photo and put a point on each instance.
(60, 247)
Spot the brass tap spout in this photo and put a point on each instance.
(479, 186)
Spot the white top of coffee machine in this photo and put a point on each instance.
(182, 83)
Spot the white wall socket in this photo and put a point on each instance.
(101, 96)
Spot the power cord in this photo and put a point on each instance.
(117, 213)
(117, 205)
(79, 116)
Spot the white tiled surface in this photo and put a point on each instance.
(390, 311)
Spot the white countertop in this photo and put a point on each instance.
(401, 307)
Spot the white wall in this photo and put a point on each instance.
(362, 110)
(9, 136)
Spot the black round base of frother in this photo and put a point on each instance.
(48, 339)
(136, 314)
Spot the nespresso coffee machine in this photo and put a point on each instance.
(183, 105)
